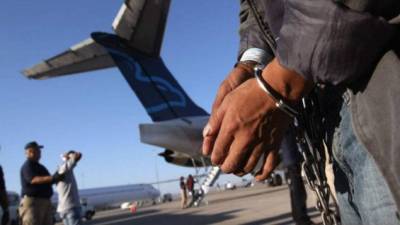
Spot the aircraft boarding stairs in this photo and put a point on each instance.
(207, 183)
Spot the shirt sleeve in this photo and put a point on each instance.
(67, 166)
(250, 34)
(330, 43)
(28, 172)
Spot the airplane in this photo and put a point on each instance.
(103, 197)
(135, 49)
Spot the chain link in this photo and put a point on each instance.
(309, 130)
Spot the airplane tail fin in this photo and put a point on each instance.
(141, 23)
(159, 92)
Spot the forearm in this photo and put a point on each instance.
(70, 164)
(42, 180)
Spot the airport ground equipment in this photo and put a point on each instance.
(207, 183)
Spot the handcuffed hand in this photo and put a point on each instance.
(247, 125)
(236, 77)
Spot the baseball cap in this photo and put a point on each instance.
(33, 144)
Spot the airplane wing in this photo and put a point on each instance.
(85, 56)
(140, 22)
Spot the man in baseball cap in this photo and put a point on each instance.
(36, 181)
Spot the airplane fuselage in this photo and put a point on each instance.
(183, 135)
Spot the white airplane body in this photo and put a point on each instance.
(104, 197)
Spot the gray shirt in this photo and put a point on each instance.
(68, 195)
(323, 41)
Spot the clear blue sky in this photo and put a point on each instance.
(96, 112)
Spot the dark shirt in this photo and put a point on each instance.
(29, 170)
(3, 191)
(2, 183)
(190, 183)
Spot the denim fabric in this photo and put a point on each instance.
(362, 192)
(72, 216)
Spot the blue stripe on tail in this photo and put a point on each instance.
(159, 92)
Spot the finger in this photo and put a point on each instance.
(211, 130)
(272, 141)
(223, 141)
(238, 154)
(221, 147)
(208, 143)
(240, 174)
(271, 162)
(254, 158)
(236, 77)
(223, 90)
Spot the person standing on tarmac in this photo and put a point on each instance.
(3, 199)
(69, 205)
(183, 192)
(36, 181)
(190, 188)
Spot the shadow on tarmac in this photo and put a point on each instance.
(267, 191)
(121, 216)
(165, 218)
(195, 217)
(286, 217)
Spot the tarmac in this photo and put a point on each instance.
(256, 205)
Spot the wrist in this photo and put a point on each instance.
(289, 84)
(246, 66)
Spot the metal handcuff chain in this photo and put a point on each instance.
(308, 134)
(308, 126)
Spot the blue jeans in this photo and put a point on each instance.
(362, 192)
(72, 216)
